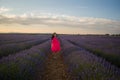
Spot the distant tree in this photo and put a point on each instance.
(107, 34)
(115, 34)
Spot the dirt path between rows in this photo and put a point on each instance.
(55, 69)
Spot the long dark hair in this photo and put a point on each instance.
(53, 35)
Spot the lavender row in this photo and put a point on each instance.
(15, 38)
(107, 47)
(83, 65)
(5, 50)
(22, 65)
(13, 41)
(105, 43)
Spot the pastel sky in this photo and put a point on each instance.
(61, 16)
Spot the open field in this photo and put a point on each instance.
(82, 57)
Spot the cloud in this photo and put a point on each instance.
(3, 9)
(53, 20)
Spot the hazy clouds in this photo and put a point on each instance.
(3, 9)
(52, 20)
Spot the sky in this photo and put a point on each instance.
(60, 16)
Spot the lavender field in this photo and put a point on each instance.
(87, 57)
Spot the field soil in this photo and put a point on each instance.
(55, 69)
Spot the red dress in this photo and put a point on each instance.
(55, 45)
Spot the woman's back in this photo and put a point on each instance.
(55, 45)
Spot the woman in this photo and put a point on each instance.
(55, 44)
